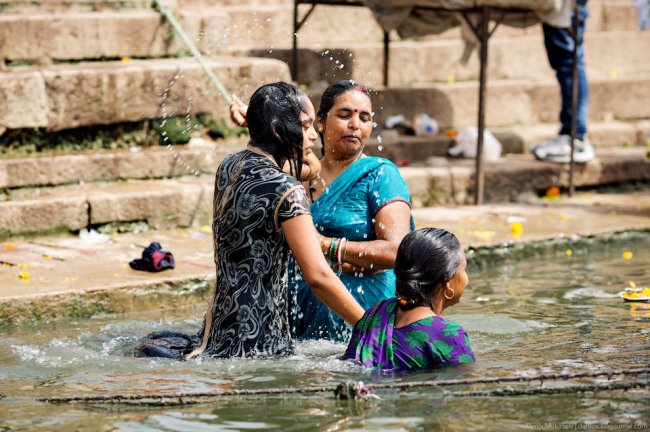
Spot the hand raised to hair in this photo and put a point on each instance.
(238, 112)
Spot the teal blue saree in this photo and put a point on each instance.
(347, 208)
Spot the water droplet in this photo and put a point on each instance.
(380, 148)
(379, 139)
(341, 66)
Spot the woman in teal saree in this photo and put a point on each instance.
(360, 206)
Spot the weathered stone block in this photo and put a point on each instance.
(129, 203)
(43, 215)
(23, 99)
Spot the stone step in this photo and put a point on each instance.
(29, 6)
(202, 157)
(186, 201)
(109, 29)
(271, 27)
(102, 166)
(439, 60)
(44, 37)
(520, 177)
(512, 102)
(73, 95)
(408, 150)
(183, 201)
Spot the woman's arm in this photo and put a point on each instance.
(303, 241)
(392, 223)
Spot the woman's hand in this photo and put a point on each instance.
(238, 112)
(310, 168)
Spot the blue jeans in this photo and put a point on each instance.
(559, 48)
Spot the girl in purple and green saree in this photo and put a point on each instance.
(407, 332)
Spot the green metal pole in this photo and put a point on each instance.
(169, 15)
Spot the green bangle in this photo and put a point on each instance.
(331, 252)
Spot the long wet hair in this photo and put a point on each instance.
(328, 100)
(273, 118)
(426, 259)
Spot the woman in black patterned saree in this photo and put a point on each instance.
(261, 215)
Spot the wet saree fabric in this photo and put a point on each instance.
(427, 343)
(347, 208)
(248, 314)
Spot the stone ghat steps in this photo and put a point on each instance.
(512, 102)
(187, 201)
(72, 95)
(438, 60)
(201, 157)
(118, 32)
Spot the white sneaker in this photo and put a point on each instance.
(558, 149)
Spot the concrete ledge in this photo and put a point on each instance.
(101, 281)
(68, 96)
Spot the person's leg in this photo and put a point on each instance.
(559, 48)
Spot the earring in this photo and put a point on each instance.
(453, 293)
(320, 129)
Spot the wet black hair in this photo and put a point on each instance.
(328, 100)
(426, 259)
(273, 118)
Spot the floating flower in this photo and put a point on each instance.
(125, 59)
(23, 275)
(569, 252)
(628, 255)
(23, 266)
(8, 246)
(516, 229)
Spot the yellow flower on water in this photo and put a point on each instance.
(47, 257)
(628, 255)
(23, 266)
(125, 59)
(23, 275)
(517, 229)
(451, 79)
(8, 246)
(569, 252)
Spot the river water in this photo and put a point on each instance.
(528, 316)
